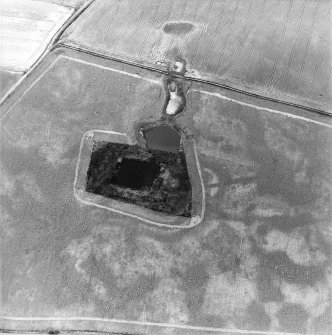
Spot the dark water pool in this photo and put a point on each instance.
(163, 138)
(136, 174)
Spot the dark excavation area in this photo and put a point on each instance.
(135, 174)
(151, 178)
(163, 138)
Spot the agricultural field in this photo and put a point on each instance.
(26, 29)
(273, 48)
(259, 259)
(220, 113)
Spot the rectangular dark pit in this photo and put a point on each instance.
(135, 174)
(154, 179)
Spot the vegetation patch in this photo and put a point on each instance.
(154, 179)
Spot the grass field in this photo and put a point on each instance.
(260, 260)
